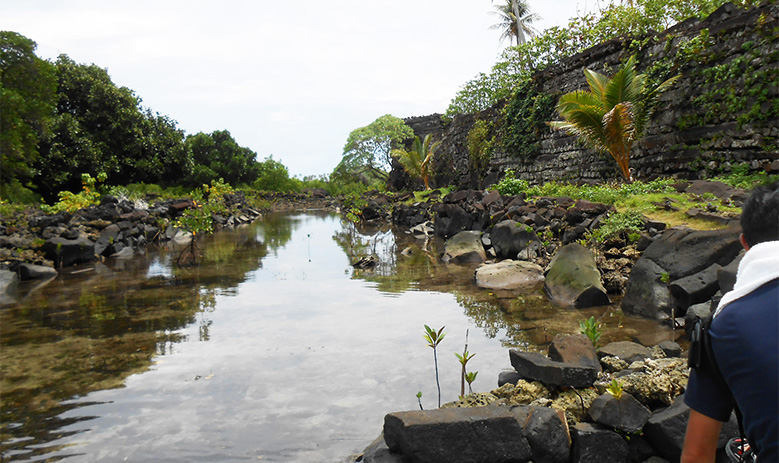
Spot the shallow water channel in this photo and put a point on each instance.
(273, 349)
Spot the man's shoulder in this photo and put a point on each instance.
(764, 299)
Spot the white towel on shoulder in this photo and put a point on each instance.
(759, 266)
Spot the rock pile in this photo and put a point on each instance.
(34, 245)
(623, 403)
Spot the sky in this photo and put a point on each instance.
(289, 79)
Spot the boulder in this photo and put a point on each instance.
(593, 443)
(573, 278)
(537, 367)
(509, 238)
(35, 272)
(378, 452)
(646, 295)
(509, 274)
(9, 283)
(726, 276)
(546, 430)
(66, 252)
(683, 252)
(576, 349)
(626, 350)
(696, 288)
(451, 219)
(670, 348)
(508, 377)
(665, 429)
(625, 414)
(464, 247)
(458, 435)
(719, 189)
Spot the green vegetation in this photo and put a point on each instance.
(629, 223)
(592, 330)
(72, 202)
(470, 377)
(63, 120)
(524, 118)
(417, 161)
(433, 339)
(515, 20)
(463, 359)
(632, 22)
(27, 98)
(367, 155)
(615, 389)
(613, 114)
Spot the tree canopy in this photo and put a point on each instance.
(99, 127)
(28, 88)
(217, 155)
(368, 149)
(511, 27)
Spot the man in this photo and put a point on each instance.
(745, 342)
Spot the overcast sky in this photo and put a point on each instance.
(287, 78)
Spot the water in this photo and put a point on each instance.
(274, 349)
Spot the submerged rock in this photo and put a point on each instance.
(509, 274)
(573, 278)
(464, 247)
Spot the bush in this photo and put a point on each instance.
(627, 223)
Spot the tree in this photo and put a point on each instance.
(613, 113)
(515, 20)
(368, 150)
(28, 88)
(417, 161)
(100, 127)
(217, 155)
(274, 176)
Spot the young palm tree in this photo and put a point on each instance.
(417, 161)
(613, 113)
(512, 27)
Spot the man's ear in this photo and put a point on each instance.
(743, 242)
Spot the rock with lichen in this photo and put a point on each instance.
(654, 382)
(522, 393)
(613, 364)
(575, 403)
(477, 399)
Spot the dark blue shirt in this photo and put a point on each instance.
(745, 340)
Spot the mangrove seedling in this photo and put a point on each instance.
(433, 339)
(463, 361)
(615, 389)
(591, 329)
(470, 377)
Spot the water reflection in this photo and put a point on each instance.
(273, 348)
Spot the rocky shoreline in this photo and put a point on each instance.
(557, 403)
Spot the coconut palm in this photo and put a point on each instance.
(512, 27)
(613, 113)
(417, 161)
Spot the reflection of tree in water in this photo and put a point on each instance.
(275, 230)
(88, 331)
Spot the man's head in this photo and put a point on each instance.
(760, 215)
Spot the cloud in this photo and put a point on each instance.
(267, 70)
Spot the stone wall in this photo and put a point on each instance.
(669, 148)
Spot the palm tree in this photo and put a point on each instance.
(613, 113)
(513, 27)
(417, 161)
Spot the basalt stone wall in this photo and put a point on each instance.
(670, 146)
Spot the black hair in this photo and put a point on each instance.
(760, 215)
